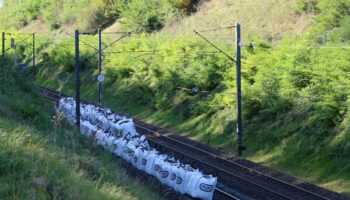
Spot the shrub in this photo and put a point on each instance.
(183, 4)
(307, 6)
(145, 15)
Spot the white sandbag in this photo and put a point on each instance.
(121, 142)
(87, 128)
(172, 173)
(179, 181)
(113, 118)
(151, 157)
(104, 139)
(83, 114)
(142, 158)
(69, 108)
(166, 172)
(158, 164)
(191, 181)
(84, 129)
(102, 121)
(204, 188)
(142, 141)
(60, 105)
(127, 128)
(92, 116)
(129, 153)
(111, 143)
(189, 172)
(114, 128)
(101, 137)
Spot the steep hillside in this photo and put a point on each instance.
(295, 76)
(256, 16)
(40, 159)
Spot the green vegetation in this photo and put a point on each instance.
(45, 160)
(88, 15)
(85, 14)
(295, 88)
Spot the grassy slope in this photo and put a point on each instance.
(267, 142)
(279, 144)
(270, 15)
(40, 162)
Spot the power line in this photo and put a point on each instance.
(121, 52)
(122, 37)
(216, 29)
(229, 57)
(83, 42)
(111, 33)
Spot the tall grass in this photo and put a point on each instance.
(40, 159)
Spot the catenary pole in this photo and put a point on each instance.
(34, 69)
(3, 45)
(99, 65)
(239, 129)
(77, 79)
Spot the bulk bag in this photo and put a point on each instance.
(129, 153)
(83, 114)
(189, 172)
(152, 156)
(92, 129)
(158, 164)
(205, 187)
(92, 116)
(142, 158)
(84, 127)
(102, 121)
(142, 141)
(166, 172)
(121, 142)
(111, 143)
(172, 173)
(191, 181)
(126, 127)
(100, 137)
(139, 154)
(179, 181)
(61, 105)
(87, 128)
(114, 118)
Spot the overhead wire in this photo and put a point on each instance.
(122, 37)
(216, 29)
(83, 42)
(216, 47)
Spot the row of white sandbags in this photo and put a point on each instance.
(134, 149)
(183, 179)
(102, 118)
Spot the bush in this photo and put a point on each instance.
(183, 4)
(307, 6)
(145, 15)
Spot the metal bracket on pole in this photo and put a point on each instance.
(77, 80)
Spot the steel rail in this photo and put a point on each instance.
(250, 170)
(213, 166)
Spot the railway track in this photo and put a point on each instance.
(235, 181)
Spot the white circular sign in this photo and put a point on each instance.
(100, 78)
